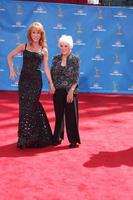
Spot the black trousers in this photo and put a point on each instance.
(65, 114)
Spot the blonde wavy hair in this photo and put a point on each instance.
(38, 26)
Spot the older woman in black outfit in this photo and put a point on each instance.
(65, 76)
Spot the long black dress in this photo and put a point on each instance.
(34, 129)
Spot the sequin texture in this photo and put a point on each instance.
(34, 129)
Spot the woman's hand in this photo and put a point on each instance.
(13, 74)
(70, 96)
(52, 88)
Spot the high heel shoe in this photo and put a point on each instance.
(55, 143)
(73, 145)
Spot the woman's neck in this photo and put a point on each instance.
(65, 55)
(34, 46)
(64, 59)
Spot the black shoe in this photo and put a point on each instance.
(73, 145)
(55, 143)
(20, 146)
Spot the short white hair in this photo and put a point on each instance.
(67, 39)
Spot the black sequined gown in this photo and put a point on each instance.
(34, 129)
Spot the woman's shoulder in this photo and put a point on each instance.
(21, 46)
(57, 56)
(44, 49)
(74, 56)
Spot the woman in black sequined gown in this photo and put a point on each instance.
(34, 129)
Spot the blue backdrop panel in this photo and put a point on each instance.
(103, 38)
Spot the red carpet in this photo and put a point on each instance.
(100, 169)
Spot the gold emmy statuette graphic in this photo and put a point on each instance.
(17, 70)
(19, 9)
(60, 12)
(117, 61)
(100, 14)
(115, 87)
(18, 38)
(97, 72)
(79, 28)
(118, 29)
(98, 43)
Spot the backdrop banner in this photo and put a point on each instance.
(103, 39)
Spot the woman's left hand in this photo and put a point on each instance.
(70, 96)
(52, 89)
